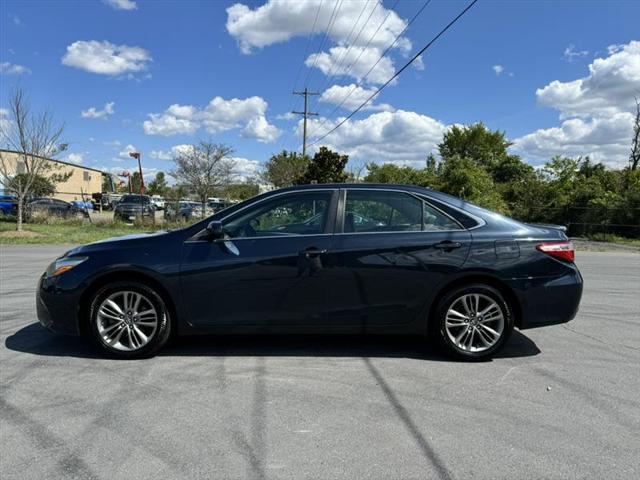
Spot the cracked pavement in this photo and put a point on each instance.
(558, 402)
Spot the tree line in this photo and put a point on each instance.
(474, 164)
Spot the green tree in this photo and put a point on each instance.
(475, 142)
(158, 186)
(283, 169)
(241, 191)
(326, 167)
(40, 186)
(135, 182)
(466, 179)
(402, 175)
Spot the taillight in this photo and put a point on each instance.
(561, 250)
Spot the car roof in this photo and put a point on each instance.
(450, 199)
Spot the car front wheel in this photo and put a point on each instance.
(129, 320)
(474, 322)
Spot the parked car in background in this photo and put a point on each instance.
(184, 210)
(158, 201)
(83, 205)
(422, 263)
(134, 207)
(8, 205)
(109, 200)
(52, 207)
(218, 204)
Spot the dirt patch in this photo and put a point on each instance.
(22, 234)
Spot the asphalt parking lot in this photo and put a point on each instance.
(559, 402)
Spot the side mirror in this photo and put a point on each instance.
(215, 231)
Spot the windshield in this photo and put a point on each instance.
(134, 198)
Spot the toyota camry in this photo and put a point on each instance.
(319, 259)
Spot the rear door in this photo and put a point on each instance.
(392, 250)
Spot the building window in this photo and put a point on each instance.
(87, 176)
(21, 167)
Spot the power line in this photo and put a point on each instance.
(304, 57)
(353, 89)
(306, 48)
(336, 7)
(404, 67)
(343, 57)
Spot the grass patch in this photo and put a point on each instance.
(69, 233)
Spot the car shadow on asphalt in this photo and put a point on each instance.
(36, 340)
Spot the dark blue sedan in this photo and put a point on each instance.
(423, 263)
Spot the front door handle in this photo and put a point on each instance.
(313, 252)
(447, 245)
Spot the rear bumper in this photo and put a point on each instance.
(548, 301)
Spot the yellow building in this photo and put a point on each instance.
(83, 180)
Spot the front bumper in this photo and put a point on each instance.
(548, 301)
(57, 310)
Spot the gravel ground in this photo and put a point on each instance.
(558, 402)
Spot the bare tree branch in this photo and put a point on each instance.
(634, 156)
(204, 168)
(35, 139)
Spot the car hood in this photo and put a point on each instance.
(119, 242)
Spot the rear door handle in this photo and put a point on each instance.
(447, 245)
(313, 252)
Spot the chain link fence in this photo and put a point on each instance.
(600, 222)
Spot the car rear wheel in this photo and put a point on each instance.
(473, 322)
(129, 320)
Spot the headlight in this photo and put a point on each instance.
(64, 264)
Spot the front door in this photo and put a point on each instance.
(269, 270)
(393, 252)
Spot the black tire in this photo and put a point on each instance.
(438, 329)
(156, 341)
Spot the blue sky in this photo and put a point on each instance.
(558, 77)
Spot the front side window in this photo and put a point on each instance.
(370, 211)
(302, 213)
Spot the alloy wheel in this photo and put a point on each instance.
(474, 322)
(126, 320)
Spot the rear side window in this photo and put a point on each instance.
(368, 211)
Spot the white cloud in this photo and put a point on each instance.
(75, 158)
(124, 153)
(571, 54)
(7, 68)
(354, 62)
(398, 137)
(278, 21)
(245, 169)
(261, 130)
(105, 58)
(169, 154)
(286, 116)
(219, 115)
(596, 111)
(609, 88)
(351, 96)
(498, 69)
(605, 140)
(121, 4)
(418, 63)
(102, 114)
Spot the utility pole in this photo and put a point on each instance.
(305, 114)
